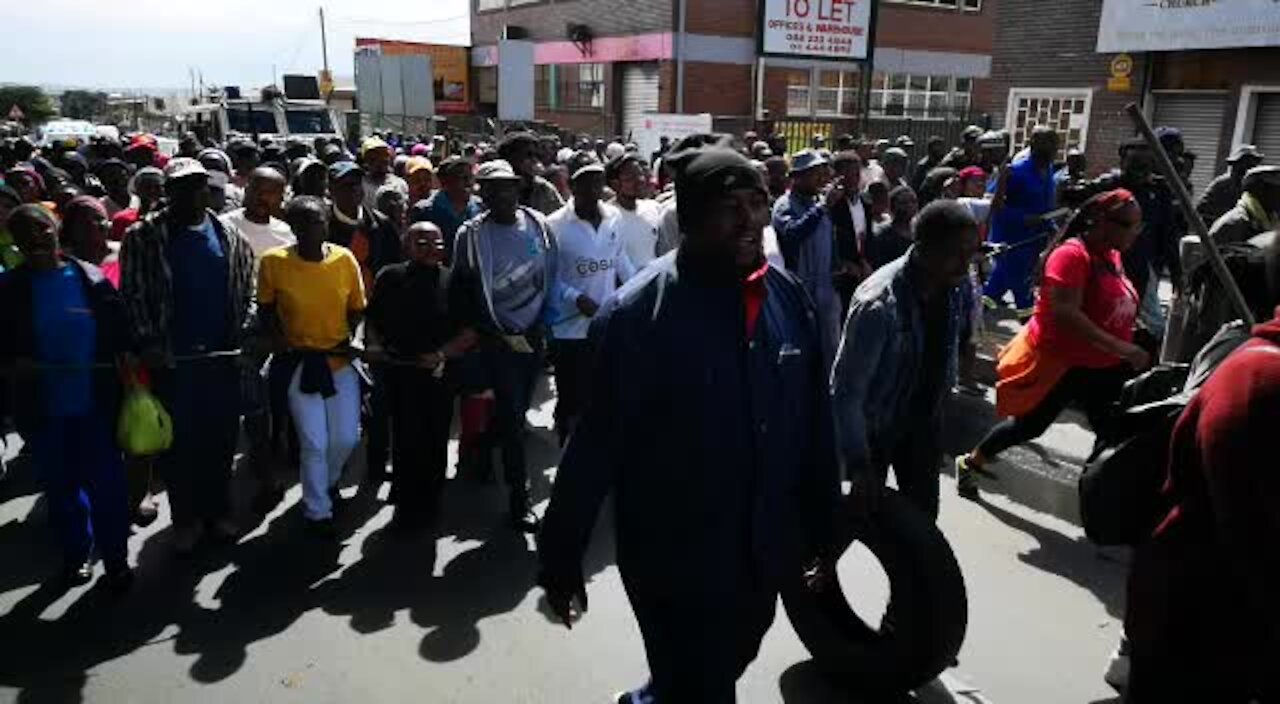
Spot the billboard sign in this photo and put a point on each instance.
(449, 66)
(654, 126)
(515, 80)
(826, 29)
(1172, 25)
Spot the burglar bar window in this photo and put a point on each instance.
(580, 86)
(968, 5)
(542, 86)
(919, 96)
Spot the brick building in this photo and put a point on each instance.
(932, 60)
(1047, 68)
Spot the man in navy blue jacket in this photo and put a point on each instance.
(709, 422)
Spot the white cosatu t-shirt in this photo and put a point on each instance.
(592, 262)
(276, 233)
(639, 231)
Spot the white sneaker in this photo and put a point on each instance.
(1117, 674)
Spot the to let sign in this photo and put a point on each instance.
(831, 29)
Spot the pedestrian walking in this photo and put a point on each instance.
(1078, 346)
(592, 263)
(61, 311)
(891, 240)
(409, 320)
(311, 299)
(188, 285)
(802, 221)
(897, 361)
(703, 578)
(1025, 193)
(504, 283)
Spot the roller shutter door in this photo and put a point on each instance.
(639, 93)
(1200, 117)
(1266, 127)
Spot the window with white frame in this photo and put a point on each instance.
(837, 93)
(919, 96)
(483, 5)
(971, 5)
(798, 91)
(1065, 110)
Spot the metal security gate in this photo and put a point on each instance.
(1266, 127)
(639, 94)
(1200, 117)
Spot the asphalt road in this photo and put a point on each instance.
(282, 618)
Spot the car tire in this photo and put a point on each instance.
(928, 592)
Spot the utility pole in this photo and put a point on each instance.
(326, 78)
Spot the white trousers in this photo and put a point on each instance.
(328, 430)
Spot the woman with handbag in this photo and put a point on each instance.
(1078, 346)
(60, 311)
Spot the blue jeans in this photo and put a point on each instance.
(83, 473)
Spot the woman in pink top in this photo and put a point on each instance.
(84, 235)
(1078, 346)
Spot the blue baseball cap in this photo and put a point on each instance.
(339, 170)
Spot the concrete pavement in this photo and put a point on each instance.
(282, 618)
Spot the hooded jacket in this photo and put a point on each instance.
(1207, 581)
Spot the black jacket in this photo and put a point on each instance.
(718, 449)
(18, 340)
(384, 242)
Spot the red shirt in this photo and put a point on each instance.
(753, 295)
(121, 222)
(1110, 301)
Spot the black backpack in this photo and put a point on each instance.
(1121, 499)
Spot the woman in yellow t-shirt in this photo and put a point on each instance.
(311, 296)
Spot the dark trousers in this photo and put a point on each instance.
(696, 654)
(573, 361)
(1096, 390)
(915, 459)
(83, 474)
(421, 414)
(203, 400)
(377, 426)
(513, 376)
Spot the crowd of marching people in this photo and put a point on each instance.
(734, 326)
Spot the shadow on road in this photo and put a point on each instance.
(805, 683)
(55, 638)
(1074, 559)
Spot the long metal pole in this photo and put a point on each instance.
(324, 43)
(1165, 164)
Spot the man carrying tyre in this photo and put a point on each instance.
(709, 421)
(897, 360)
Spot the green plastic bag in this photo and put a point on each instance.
(145, 427)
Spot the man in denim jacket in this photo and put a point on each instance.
(897, 360)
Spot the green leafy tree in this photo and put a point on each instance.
(84, 104)
(31, 100)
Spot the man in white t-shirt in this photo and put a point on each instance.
(592, 263)
(263, 197)
(638, 218)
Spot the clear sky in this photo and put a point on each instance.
(154, 43)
